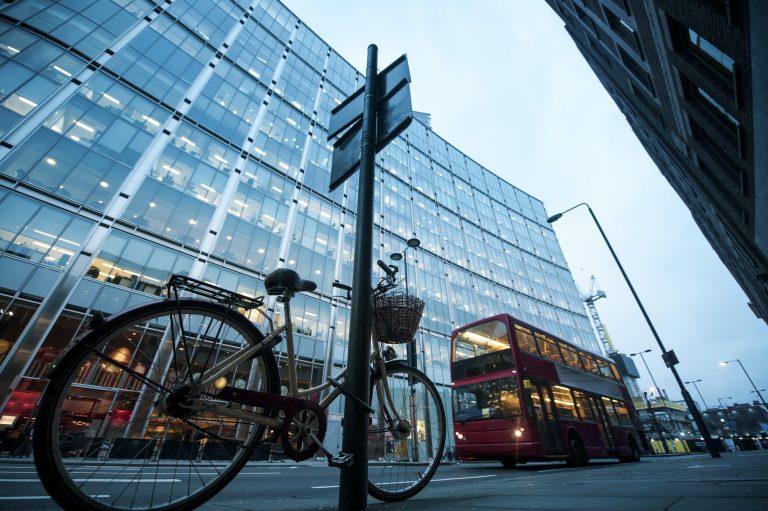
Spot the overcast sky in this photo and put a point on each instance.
(505, 84)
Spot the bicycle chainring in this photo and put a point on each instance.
(297, 426)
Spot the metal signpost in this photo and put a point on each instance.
(373, 116)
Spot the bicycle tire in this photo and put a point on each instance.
(187, 456)
(401, 464)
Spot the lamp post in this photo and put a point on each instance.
(655, 422)
(725, 410)
(669, 357)
(641, 353)
(694, 382)
(656, 386)
(725, 363)
(397, 256)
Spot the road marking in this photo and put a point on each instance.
(41, 497)
(97, 480)
(408, 482)
(19, 480)
(461, 478)
(126, 480)
(31, 497)
(147, 473)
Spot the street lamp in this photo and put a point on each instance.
(669, 357)
(397, 256)
(656, 386)
(725, 409)
(694, 382)
(725, 363)
(655, 423)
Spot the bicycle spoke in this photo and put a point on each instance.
(143, 441)
(408, 433)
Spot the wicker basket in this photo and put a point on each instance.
(397, 317)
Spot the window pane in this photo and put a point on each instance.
(566, 408)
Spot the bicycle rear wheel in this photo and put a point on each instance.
(404, 454)
(112, 432)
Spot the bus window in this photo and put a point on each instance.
(493, 399)
(564, 402)
(525, 340)
(548, 348)
(582, 404)
(616, 374)
(623, 414)
(613, 419)
(570, 356)
(481, 349)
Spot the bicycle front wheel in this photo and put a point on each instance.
(407, 434)
(123, 423)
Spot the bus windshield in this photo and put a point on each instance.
(495, 399)
(482, 349)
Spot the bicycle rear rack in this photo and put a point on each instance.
(229, 298)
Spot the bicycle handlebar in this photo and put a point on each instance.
(385, 284)
(389, 271)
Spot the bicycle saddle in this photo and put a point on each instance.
(285, 279)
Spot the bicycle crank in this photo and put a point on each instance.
(303, 431)
(301, 423)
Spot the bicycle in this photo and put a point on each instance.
(195, 393)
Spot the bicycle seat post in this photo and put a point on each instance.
(293, 385)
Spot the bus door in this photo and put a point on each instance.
(602, 421)
(541, 402)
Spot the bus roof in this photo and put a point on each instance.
(511, 320)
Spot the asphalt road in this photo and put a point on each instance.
(737, 481)
(308, 485)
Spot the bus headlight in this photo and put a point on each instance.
(459, 436)
(519, 432)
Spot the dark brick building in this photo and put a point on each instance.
(691, 77)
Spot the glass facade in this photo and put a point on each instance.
(141, 139)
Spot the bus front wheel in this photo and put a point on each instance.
(634, 452)
(577, 454)
(508, 462)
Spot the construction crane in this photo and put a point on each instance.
(590, 299)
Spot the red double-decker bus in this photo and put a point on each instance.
(520, 394)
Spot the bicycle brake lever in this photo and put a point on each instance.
(344, 287)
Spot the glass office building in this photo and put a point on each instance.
(140, 139)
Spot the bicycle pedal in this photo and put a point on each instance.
(341, 460)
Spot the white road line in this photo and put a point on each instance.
(98, 480)
(41, 497)
(147, 473)
(407, 482)
(19, 480)
(30, 497)
(177, 473)
(126, 480)
(461, 478)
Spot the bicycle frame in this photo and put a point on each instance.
(210, 375)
